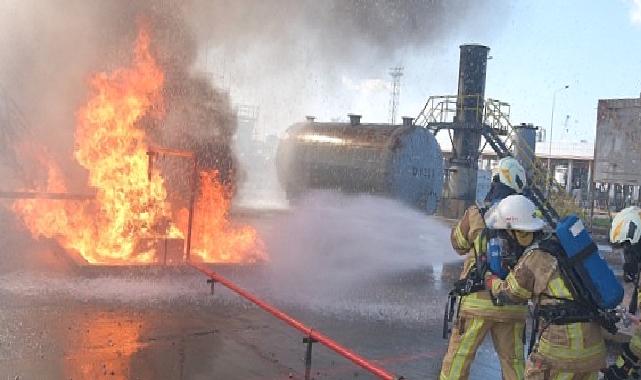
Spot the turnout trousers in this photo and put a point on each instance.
(535, 370)
(467, 336)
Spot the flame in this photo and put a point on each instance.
(214, 239)
(52, 222)
(130, 205)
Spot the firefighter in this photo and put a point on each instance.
(477, 315)
(626, 233)
(570, 344)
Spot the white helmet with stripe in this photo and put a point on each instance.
(511, 174)
(626, 226)
(515, 212)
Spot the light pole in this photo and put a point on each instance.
(549, 173)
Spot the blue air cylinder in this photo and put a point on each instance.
(495, 258)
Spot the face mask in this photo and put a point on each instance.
(515, 243)
(505, 249)
(523, 238)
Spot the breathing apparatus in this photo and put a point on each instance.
(505, 247)
(513, 224)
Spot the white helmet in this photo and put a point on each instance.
(626, 226)
(511, 174)
(515, 212)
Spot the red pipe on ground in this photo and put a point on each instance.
(308, 331)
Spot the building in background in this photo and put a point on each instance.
(617, 151)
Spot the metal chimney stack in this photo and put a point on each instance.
(524, 146)
(461, 190)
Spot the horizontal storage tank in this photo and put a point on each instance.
(399, 161)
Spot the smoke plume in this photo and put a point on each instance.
(290, 57)
(50, 49)
(286, 56)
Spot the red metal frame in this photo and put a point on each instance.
(152, 153)
(308, 331)
(45, 195)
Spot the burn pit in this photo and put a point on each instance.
(140, 213)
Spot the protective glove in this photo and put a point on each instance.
(489, 280)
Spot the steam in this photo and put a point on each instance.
(334, 234)
(336, 253)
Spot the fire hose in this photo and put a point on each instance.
(308, 331)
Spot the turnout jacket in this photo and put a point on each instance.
(467, 239)
(573, 346)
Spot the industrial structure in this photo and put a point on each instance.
(405, 161)
(618, 148)
(617, 153)
(571, 162)
(247, 117)
(467, 117)
(399, 161)
(396, 73)
(461, 186)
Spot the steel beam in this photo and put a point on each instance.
(45, 195)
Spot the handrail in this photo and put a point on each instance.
(308, 331)
(495, 114)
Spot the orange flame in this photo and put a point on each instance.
(129, 205)
(48, 219)
(214, 238)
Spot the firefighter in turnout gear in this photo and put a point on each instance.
(477, 315)
(570, 344)
(626, 233)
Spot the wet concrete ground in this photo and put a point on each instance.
(58, 328)
(374, 287)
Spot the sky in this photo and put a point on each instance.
(594, 47)
(537, 47)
